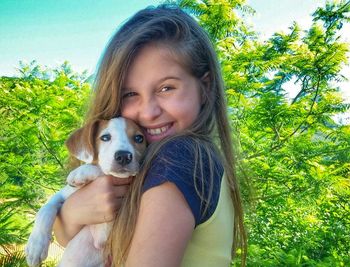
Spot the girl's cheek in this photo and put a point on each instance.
(127, 111)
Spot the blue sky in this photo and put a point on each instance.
(52, 31)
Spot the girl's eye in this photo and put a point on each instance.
(138, 138)
(129, 94)
(166, 88)
(105, 137)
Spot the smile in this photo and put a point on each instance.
(158, 131)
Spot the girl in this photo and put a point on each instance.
(184, 208)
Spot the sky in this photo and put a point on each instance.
(52, 31)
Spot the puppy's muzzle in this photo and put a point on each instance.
(123, 157)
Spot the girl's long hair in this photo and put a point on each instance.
(180, 33)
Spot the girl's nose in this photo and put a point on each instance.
(150, 110)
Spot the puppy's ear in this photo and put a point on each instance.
(82, 143)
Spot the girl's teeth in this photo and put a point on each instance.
(157, 131)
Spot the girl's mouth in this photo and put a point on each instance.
(158, 131)
(156, 134)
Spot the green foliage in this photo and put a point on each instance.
(38, 111)
(292, 147)
(14, 259)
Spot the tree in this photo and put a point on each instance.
(38, 111)
(293, 149)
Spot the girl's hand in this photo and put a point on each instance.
(97, 202)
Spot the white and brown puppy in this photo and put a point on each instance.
(112, 147)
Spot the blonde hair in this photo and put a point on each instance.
(169, 26)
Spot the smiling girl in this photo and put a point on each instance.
(184, 208)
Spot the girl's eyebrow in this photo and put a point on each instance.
(168, 78)
(123, 89)
(126, 90)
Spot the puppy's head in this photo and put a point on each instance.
(116, 145)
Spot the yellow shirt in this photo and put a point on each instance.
(211, 242)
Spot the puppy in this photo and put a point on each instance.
(113, 147)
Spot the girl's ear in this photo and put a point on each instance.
(205, 80)
(82, 144)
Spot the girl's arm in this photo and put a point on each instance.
(95, 203)
(164, 227)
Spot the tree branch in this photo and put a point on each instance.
(49, 150)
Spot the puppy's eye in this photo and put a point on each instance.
(105, 137)
(138, 138)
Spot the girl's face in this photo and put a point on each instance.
(159, 94)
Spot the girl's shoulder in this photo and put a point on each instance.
(194, 167)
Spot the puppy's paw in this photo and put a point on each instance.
(76, 179)
(83, 175)
(37, 248)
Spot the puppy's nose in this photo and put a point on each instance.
(123, 157)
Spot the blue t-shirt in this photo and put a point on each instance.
(175, 162)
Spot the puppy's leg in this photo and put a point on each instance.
(80, 251)
(83, 175)
(39, 240)
(100, 233)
